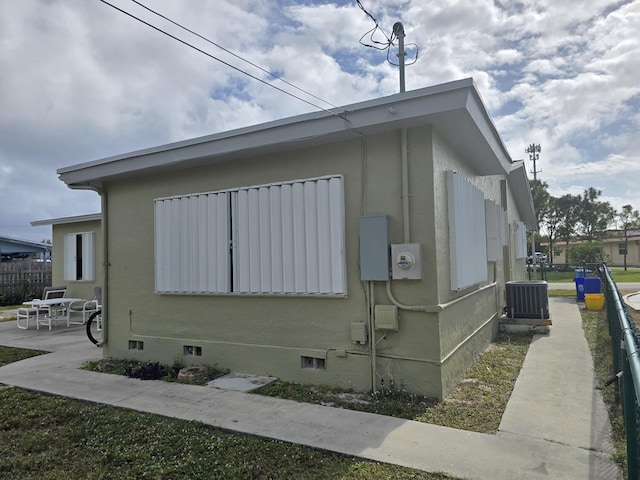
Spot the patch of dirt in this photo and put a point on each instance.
(355, 398)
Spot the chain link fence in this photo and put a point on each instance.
(625, 347)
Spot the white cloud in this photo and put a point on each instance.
(82, 81)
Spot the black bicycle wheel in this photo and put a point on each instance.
(94, 330)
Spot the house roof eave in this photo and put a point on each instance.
(63, 220)
(454, 109)
(521, 191)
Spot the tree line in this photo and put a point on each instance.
(582, 216)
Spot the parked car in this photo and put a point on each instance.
(537, 257)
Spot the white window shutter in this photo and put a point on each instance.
(520, 240)
(494, 229)
(88, 256)
(467, 233)
(70, 257)
(289, 238)
(277, 238)
(192, 243)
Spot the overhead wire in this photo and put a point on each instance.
(213, 57)
(389, 40)
(273, 75)
(384, 45)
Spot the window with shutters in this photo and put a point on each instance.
(467, 232)
(520, 239)
(79, 257)
(280, 238)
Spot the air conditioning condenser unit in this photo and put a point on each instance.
(528, 300)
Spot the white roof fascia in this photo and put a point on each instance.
(62, 220)
(521, 191)
(28, 243)
(454, 109)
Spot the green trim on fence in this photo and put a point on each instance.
(625, 342)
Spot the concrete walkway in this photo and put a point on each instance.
(555, 425)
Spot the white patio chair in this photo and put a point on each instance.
(26, 314)
(85, 307)
(53, 313)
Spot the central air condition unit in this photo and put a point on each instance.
(527, 300)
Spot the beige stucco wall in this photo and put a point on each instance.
(268, 334)
(468, 325)
(77, 289)
(611, 251)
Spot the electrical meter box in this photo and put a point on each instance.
(406, 261)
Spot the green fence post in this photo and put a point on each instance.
(614, 333)
(630, 412)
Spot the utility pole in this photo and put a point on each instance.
(398, 31)
(534, 155)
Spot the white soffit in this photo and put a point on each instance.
(454, 109)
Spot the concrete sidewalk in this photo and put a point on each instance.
(555, 425)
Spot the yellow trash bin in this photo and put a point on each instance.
(594, 301)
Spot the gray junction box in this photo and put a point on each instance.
(374, 248)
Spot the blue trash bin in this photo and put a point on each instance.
(592, 285)
(579, 281)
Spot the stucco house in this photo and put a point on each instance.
(614, 246)
(349, 248)
(77, 253)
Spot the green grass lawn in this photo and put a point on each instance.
(596, 331)
(50, 437)
(5, 316)
(617, 273)
(9, 354)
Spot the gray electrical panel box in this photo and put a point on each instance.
(374, 247)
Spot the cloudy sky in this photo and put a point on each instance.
(80, 80)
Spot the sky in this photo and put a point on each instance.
(80, 81)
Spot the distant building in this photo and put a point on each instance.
(17, 249)
(614, 246)
(77, 253)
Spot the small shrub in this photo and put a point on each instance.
(147, 370)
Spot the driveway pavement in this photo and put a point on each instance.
(555, 425)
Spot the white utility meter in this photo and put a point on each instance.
(406, 264)
(405, 261)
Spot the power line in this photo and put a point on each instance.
(213, 57)
(389, 40)
(384, 45)
(232, 53)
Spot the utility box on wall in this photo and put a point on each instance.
(386, 317)
(359, 333)
(374, 248)
(406, 261)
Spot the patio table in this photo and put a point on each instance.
(52, 305)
